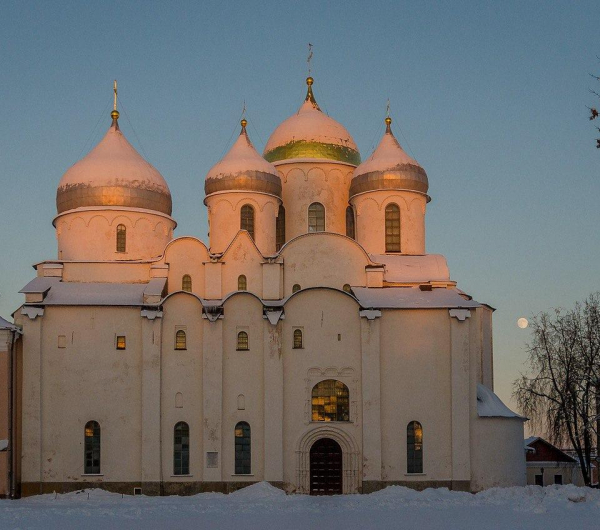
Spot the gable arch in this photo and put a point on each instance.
(313, 259)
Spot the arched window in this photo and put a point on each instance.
(392, 228)
(180, 340)
(121, 238)
(242, 341)
(186, 283)
(92, 448)
(298, 339)
(247, 219)
(296, 288)
(330, 401)
(243, 449)
(316, 217)
(280, 229)
(181, 449)
(242, 283)
(347, 288)
(414, 447)
(350, 228)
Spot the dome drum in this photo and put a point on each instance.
(145, 196)
(401, 177)
(256, 181)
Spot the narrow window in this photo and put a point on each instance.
(414, 447)
(392, 228)
(186, 283)
(539, 480)
(121, 342)
(121, 238)
(181, 449)
(243, 449)
(247, 219)
(92, 448)
(242, 283)
(242, 341)
(298, 339)
(347, 288)
(296, 288)
(316, 217)
(558, 479)
(280, 229)
(330, 401)
(180, 340)
(350, 227)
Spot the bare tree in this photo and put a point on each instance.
(561, 392)
(593, 111)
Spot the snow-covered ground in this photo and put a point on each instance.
(262, 506)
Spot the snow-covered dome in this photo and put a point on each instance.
(389, 167)
(311, 134)
(243, 169)
(113, 174)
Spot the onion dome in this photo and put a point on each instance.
(113, 174)
(389, 167)
(243, 169)
(311, 134)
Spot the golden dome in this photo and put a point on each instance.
(243, 169)
(113, 174)
(389, 167)
(311, 134)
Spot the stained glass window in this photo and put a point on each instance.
(186, 283)
(242, 283)
(121, 342)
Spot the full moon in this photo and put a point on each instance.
(522, 323)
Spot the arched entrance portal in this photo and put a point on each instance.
(326, 468)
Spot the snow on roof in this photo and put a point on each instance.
(5, 324)
(114, 294)
(398, 268)
(39, 285)
(411, 298)
(531, 439)
(241, 158)
(114, 162)
(155, 287)
(3, 445)
(489, 405)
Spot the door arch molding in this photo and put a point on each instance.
(351, 477)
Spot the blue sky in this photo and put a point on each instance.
(490, 97)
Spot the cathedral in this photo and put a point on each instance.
(310, 342)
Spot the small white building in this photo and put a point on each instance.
(312, 342)
(547, 464)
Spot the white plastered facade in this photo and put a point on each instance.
(420, 359)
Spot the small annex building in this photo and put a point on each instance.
(547, 464)
(311, 341)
